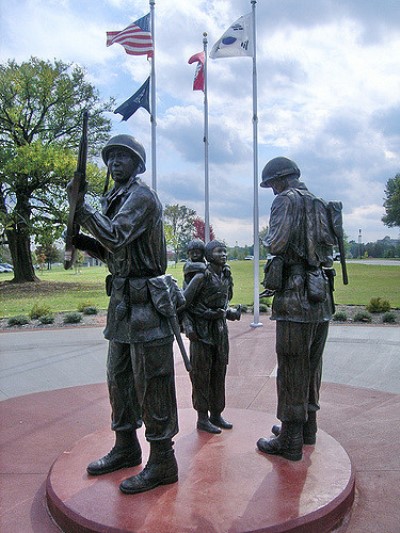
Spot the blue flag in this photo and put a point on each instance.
(139, 99)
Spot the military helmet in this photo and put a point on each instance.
(129, 143)
(279, 167)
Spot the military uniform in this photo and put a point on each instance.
(302, 325)
(301, 240)
(140, 369)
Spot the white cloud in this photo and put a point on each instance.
(328, 78)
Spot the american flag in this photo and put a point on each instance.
(135, 38)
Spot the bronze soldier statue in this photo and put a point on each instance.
(301, 240)
(204, 321)
(128, 235)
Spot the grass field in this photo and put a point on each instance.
(67, 290)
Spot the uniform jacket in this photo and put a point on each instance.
(129, 237)
(292, 235)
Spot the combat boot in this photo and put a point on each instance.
(205, 424)
(288, 444)
(217, 420)
(161, 469)
(125, 453)
(309, 429)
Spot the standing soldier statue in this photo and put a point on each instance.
(128, 235)
(300, 275)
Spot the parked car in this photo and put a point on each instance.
(336, 257)
(249, 258)
(6, 267)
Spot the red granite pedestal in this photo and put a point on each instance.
(224, 485)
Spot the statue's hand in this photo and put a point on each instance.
(234, 314)
(79, 198)
(214, 314)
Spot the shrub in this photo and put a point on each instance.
(46, 319)
(389, 318)
(362, 316)
(72, 318)
(378, 305)
(90, 310)
(244, 308)
(340, 316)
(83, 305)
(19, 320)
(39, 310)
(263, 308)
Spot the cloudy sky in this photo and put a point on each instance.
(328, 96)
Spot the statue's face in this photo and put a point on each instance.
(121, 164)
(278, 185)
(196, 254)
(218, 256)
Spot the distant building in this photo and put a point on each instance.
(387, 241)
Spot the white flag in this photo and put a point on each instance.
(237, 41)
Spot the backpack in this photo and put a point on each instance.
(320, 235)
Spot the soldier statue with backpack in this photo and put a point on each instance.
(302, 232)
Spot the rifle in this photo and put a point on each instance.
(335, 211)
(78, 183)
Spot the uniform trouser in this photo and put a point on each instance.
(207, 377)
(299, 348)
(141, 387)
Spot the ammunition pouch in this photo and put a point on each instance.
(316, 285)
(273, 274)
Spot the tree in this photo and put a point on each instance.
(200, 230)
(50, 252)
(392, 202)
(179, 221)
(41, 105)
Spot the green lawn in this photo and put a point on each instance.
(66, 290)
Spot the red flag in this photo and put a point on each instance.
(198, 82)
(135, 38)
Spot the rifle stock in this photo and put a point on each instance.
(335, 210)
(78, 183)
(343, 262)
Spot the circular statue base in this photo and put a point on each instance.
(225, 485)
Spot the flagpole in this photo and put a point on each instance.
(256, 320)
(153, 115)
(206, 174)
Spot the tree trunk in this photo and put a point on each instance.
(19, 242)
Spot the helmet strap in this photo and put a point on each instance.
(107, 181)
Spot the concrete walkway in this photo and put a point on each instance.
(42, 360)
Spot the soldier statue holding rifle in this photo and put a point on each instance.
(128, 235)
(303, 230)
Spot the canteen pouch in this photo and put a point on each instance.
(273, 274)
(316, 286)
